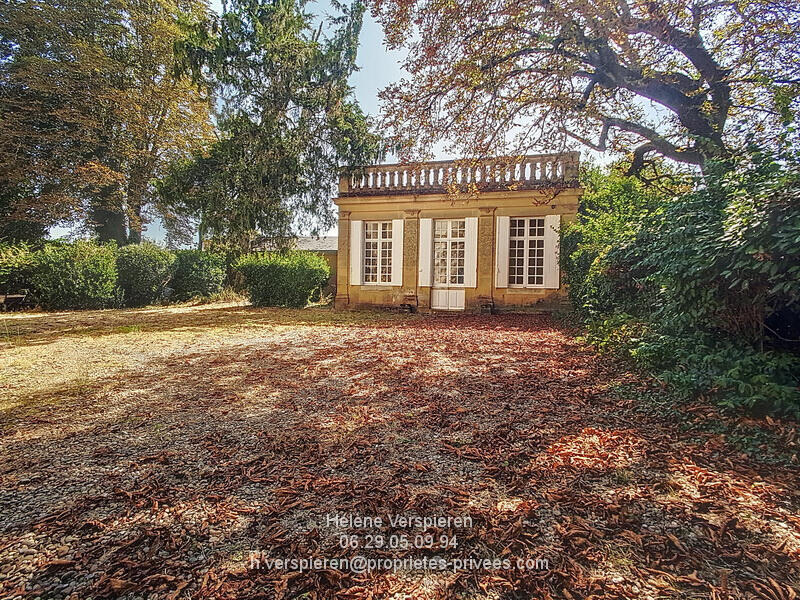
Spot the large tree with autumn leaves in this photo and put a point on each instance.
(684, 79)
(92, 111)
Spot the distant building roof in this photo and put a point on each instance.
(326, 243)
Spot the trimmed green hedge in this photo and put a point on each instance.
(87, 275)
(77, 275)
(15, 268)
(144, 271)
(197, 273)
(283, 279)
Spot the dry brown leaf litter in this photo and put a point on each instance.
(145, 453)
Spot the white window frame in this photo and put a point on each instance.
(381, 259)
(449, 240)
(527, 238)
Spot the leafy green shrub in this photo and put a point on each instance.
(735, 375)
(616, 334)
(144, 270)
(695, 288)
(726, 255)
(15, 267)
(283, 279)
(197, 273)
(77, 275)
(610, 215)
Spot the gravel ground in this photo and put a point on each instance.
(149, 453)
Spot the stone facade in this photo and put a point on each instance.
(555, 198)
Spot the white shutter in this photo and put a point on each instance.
(552, 273)
(425, 252)
(501, 254)
(397, 251)
(356, 252)
(471, 253)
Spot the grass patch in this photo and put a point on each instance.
(9, 333)
(39, 401)
(129, 329)
(623, 476)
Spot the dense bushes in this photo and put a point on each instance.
(283, 279)
(726, 255)
(84, 274)
(77, 275)
(736, 373)
(144, 270)
(611, 211)
(690, 287)
(197, 273)
(15, 268)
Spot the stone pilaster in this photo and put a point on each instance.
(342, 299)
(486, 243)
(410, 255)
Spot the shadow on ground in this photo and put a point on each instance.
(159, 480)
(38, 328)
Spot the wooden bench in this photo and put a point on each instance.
(12, 301)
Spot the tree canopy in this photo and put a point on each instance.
(288, 121)
(92, 110)
(676, 78)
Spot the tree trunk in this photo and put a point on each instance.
(201, 233)
(136, 191)
(135, 233)
(109, 225)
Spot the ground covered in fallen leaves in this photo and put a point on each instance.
(174, 452)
